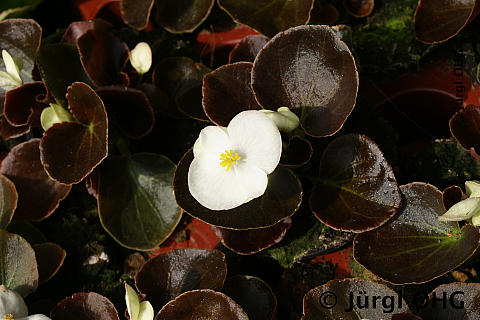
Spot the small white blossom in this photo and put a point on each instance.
(231, 164)
(10, 78)
(141, 57)
(12, 307)
(466, 209)
(137, 310)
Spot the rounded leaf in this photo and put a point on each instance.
(439, 20)
(129, 108)
(464, 127)
(8, 201)
(357, 190)
(38, 194)
(280, 200)
(297, 152)
(170, 274)
(18, 269)
(451, 195)
(136, 13)
(462, 302)
(227, 91)
(136, 204)
(83, 306)
(69, 151)
(267, 16)
(182, 16)
(50, 257)
(414, 246)
(333, 301)
(248, 48)
(253, 240)
(23, 105)
(202, 304)
(309, 68)
(253, 295)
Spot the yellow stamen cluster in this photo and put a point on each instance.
(8, 317)
(228, 159)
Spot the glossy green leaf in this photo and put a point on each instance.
(179, 16)
(18, 266)
(202, 304)
(69, 151)
(53, 60)
(82, 306)
(462, 302)
(38, 194)
(356, 189)
(136, 203)
(333, 301)
(269, 17)
(8, 201)
(170, 274)
(311, 71)
(414, 247)
(439, 20)
(280, 200)
(227, 91)
(253, 295)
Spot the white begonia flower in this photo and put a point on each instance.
(472, 188)
(137, 310)
(462, 210)
(141, 57)
(231, 164)
(12, 306)
(284, 119)
(10, 78)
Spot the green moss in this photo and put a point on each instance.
(387, 42)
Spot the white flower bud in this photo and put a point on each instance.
(141, 57)
(284, 119)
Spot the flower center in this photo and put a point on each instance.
(228, 158)
(8, 317)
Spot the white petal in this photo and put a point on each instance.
(212, 139)
(212, 186)
(12, 303)
(462, 210)
(146, 311)
(256, 138)
(11, 67)
(476, 220)
(472, 188)
(34, 317)
(252, 179)
(133, 302)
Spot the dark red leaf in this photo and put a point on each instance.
(359, 8)
(452, 195)
(227, 91)
(465, 127)
(69, 151)
(136, 13)
(78, 28)
(89, 9)
(182, 16)
(248, 48)
(50, 257)
(83, 306)
(201, 304)
(38, 194)
(103, 56)
(439, 20)
(23, 105)
(7, 131)
(297, 152)
(166, 276)
(254, 240)
(310, 70)
(129, 109)
(9, 200)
